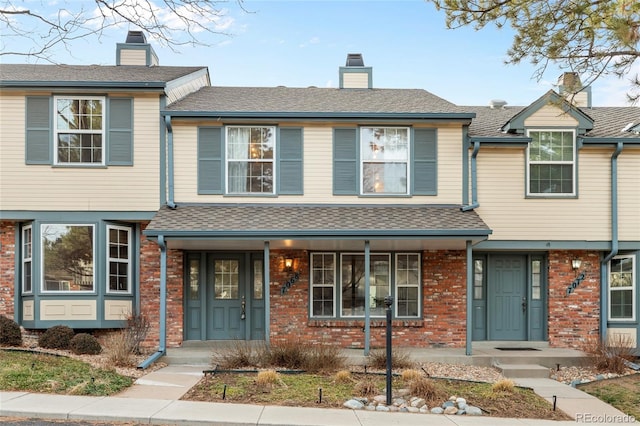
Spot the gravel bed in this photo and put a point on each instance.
(462, 372)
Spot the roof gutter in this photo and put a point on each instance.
(321, 115)
(162, 344)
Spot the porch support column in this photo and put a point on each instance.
(267, 304)
(367, 307)
(469, 326)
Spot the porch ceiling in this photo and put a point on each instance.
(317, 227)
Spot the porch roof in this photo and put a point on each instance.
(295, 225)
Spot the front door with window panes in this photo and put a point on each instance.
(224, 297)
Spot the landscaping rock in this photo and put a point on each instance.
(450, 410)
(437, 410)
(418, 402)
(473, 411)
(354, 404)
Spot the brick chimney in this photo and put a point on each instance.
(570, 87)
(136, 51)
(354, 75)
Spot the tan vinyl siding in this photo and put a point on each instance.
(46, 187)
(550, 115)
(318, 165)
(133, 57)
(355, 80)
(629, 195)
(180, 88)
(503, 206)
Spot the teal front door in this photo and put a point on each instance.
(224, 296)
(507, 304)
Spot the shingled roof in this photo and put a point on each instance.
(30, 75)
(287, 221)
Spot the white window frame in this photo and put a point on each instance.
(57, 131)
(407, 161)
(323, 285)
(118, 260)
(632, 288)
(417, 285)
(27, 257)
(573, 163)
(228, 160)
(42, 259)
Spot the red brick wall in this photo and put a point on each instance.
(573, 318)
(444, 308)
(150, 293)
(7, 266)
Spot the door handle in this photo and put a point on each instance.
(524, 304)
(243, 305)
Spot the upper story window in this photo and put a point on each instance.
(68, 258)
(622, 278)
(384, 160)
(551, 163)
(79, 130)
(250, 160)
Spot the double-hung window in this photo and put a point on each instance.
(250, 160)
(27, 256)
(384, 160)
(119, 259)
(68, 253)
(551, 168)
(622, 276)
(79, 130)
(338, 280)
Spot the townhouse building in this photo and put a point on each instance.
(280, 213)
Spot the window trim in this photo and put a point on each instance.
(42, 260)
(573, 163)
(362, 161)
(56, 131)
(26, 259)
(273, 160)
(632, 287)
(109, 259)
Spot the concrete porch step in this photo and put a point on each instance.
(519, 371)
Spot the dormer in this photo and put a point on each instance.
(354, 75)
(136, 51)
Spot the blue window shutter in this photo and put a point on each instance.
(38, 147)
(290, 171)
(345, 162)
(120, 132)
(210, 161)
(425, 170)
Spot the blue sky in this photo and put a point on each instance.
(303, 43)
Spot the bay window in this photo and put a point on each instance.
(27, 256)
(68, 258)
(119, 259)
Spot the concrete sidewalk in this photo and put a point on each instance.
(154, 399)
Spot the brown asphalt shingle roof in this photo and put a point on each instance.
(75, 74)
(321, 220)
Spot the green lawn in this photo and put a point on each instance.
(32, 372)
(622, 392)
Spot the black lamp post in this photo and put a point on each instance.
(388, 301)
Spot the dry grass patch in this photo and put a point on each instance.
(343, 376)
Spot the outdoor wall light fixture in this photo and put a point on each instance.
(288, 264)
(576, 264)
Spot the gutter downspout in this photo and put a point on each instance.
(469, 327)
(604, 295)
(170, 203)
(163, 307)
(367, 300)
(474, 179)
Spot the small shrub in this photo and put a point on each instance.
(400, 359)
(10, 334)
(323, 357)
(503, 386)
(84, 343)
(410, 375)
(610, 356)
(118, 349)
(57, 337)
(136, 331)
(366, 387)
(267, 378)
(289, 354)
(343, 376)
(240, 354)
(423, 387)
